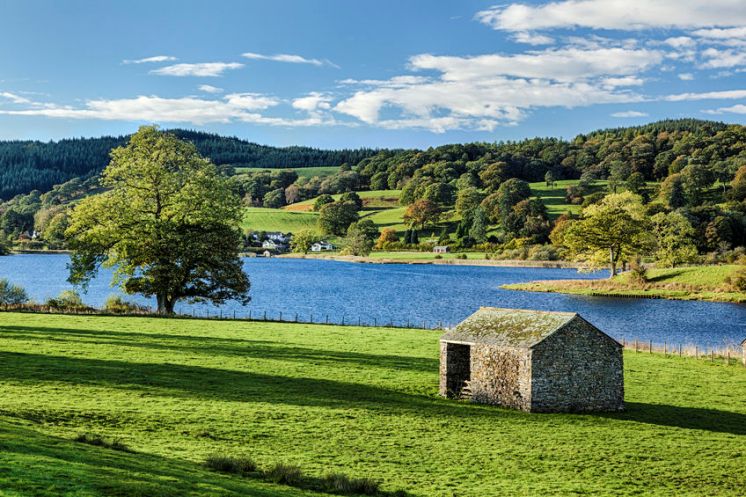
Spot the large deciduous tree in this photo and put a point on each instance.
(335, 218)
(609, 232)
(674, 239)
(421, 213)
(168, 224)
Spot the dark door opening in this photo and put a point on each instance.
(458, 368)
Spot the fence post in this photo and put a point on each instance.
(665, 348)
(280, 316)
(343, 319)
(679, 350)
(296, 317)
(327, 319)
(375, 321)
(636, 345)
(265, 315)
(358, 321)
(650, 346)
(249, 314)
(696, 352)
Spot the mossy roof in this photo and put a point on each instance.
(508, 327)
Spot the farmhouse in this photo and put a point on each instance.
(321, 246)
(532, 360)
(441, 249)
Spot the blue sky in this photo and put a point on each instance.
(367, 73)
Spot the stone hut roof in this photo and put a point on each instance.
(508, 327)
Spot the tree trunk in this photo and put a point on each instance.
(165, 304)
(612, 263)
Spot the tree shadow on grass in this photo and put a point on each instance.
(667, 276)
(205, 383)
(32, 463)
(233, 347)
(691, 418)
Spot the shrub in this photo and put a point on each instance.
(738, 280)
(638, 273)
(438, 256)
(461, 256)
(287, 474)
(118, 305)
(11, 294)
(230, 464)
(67, 300)
(543, 253)
(99, 441)
(343, 484)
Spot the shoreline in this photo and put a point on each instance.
(600, 288)
(451, 262)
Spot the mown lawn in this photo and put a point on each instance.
(362, 401)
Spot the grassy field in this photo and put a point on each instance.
(684, 283)
(374, 199)
(362, 401)
(303, 172)
(261, 219)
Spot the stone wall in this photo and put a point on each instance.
(577, 369)
(501, 376)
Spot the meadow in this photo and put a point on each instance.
(361, 401)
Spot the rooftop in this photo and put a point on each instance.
(508, 327)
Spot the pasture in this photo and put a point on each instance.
(361, 401)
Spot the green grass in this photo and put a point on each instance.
(684, 283)
(261, 219)
(373, 199)
(303, 172)
(358, 401)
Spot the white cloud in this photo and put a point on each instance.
(566, 64)
(146, 60)
(235, 107)
(210, 89)
(532, 38)
(629, 113)
(735, 109)
(710, 95)
(14, 98)
(686, 76)
(680, 42)
(721, 34)
(718, 59)
(288, 58)
(313, 102)
(616, 14)
(623, 81)
(206, 69)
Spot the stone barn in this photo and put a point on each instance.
(532, 360)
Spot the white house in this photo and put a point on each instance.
(274, 245)
(322, 246)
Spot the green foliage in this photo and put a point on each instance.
(116, 304)
(335, 218)
(352, 197)
(478, 229)
(422, 213)
(674, 237)
(609, 232)
(360, 238)
(11, 294)
(321, 201)
(168, 225)
(303, 240)
(99, 441)
(67, 300)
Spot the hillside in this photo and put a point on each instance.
(360, 401)
(36, 165)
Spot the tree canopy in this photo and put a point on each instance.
(168, 225)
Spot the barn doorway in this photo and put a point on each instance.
(458, 368)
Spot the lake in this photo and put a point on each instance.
(428, 294)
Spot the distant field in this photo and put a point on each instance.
(374, 199)
(261, 219)
(360, 401)
(303, 172)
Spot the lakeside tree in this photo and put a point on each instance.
(388, 235)
(360, 238)
(609, 232)
(168, 225)
(335, 218)
(11, 294)
(303, 240)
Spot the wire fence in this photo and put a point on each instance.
(728, 354)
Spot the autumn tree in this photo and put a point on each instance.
(609, 232)
(168, 225)
(422, 213)
(303, 240)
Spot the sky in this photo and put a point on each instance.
(367, 73)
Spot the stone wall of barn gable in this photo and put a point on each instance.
(501, 376)
(577, 369)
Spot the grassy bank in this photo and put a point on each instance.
(685, 283)
(362, 401)
(452, 258)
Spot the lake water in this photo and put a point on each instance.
(416, 293)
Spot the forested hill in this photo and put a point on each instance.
(35, 165)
